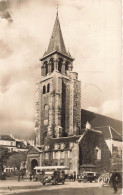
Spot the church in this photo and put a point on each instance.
(65, 134)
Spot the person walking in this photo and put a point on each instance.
(114, 180)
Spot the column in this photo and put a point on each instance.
(55, 64)
(44, 68)
(49, 67)
(42, 71)
(69, 67)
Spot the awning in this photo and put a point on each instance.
(87, 166)
(51, 167)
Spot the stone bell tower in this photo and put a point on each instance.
(58, 93)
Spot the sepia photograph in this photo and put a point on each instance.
(61, 97)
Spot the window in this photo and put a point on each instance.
(62, 145)
(44, 89)
(66, 66)
(56, 146)
(62, 154)
(48, 88)
(98, 153)
(71, 144)
(62, 163)
(46, 155)
(56, 155)
(46, 69)
(46, 147)
(69, 154)
(60, 64)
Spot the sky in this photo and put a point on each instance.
(92, 33)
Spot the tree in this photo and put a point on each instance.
(16, 159)
(4, 155)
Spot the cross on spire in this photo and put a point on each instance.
(57, 8)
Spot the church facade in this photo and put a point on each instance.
(60, 136)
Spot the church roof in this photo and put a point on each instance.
(110, 127)
(109, 132)
(56, 41)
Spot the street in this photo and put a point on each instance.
(72, 188)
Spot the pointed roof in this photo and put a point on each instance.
(56, 41)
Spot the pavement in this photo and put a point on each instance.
(12, 187)
(29, 187)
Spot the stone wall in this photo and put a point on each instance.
(87, 153)
(77, 107)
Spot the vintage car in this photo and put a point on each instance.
(50, 174)
(88, 176)
(54, 178)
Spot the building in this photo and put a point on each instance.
(65, 134)
(8, 141)
(13, 145)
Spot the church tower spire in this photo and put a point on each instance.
(58, 110)
(56, 41)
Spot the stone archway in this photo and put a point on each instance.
(34, 163)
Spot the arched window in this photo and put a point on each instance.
(52, 64)
(48, 88)
(45, 68)
(44, 89)
(98, 153)
(60, 64)
(66, 66)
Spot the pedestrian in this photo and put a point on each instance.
(22, 175)
(18, 176)
(114, 179)
(30, 176)
(74, 175)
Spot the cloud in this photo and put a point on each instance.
(93, 109)
(111, 108)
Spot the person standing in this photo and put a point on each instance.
(18, 176)
(74, 176)
(114, 179)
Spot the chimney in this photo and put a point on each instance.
(88, 125)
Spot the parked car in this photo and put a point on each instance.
(50, 174)
(54, 178)
(88, 176)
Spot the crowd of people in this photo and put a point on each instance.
(72, 176)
